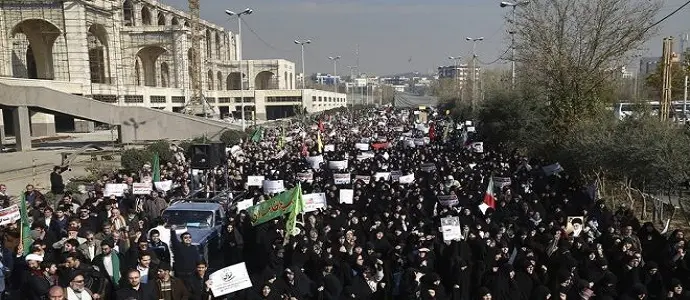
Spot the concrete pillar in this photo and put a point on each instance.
(22, 128)
(42, 124)
(74, 15)
(2, 129)
(260, 105)
(84, 125)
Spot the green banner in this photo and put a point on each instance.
(27, 241)
(275, 207)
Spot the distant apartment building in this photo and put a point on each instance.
(459, 72)
(327, 79)
(648, 65)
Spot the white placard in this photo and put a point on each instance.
(305, 176)
(229, 280)
(244, 204)
(163, 185)
(342, 178)
(477, 147)
(273, 186)
(364, 178)
(255, 180)
(406, 179)
(347, 196)
(471, 129)
(314, 201)
(468, 123)
(362, 146)
(385, 175)
(450, 227)
(315, 161)
(141, 188)
(329, 148)
(337, 164)
(10, 215)
(114, 189)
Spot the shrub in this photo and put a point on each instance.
(162, 147)
(133, 159)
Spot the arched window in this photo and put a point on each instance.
(175, 21)
(145, 16)
(161, 19)
(128, 13)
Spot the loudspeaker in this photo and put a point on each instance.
(218, 155)
(208, 156)
(200, 155)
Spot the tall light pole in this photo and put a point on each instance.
(335, 71)
(456, 61)
(301, 44)
(474, 66)
(513, 5)
(231, 13)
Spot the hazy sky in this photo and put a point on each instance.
(389, 32)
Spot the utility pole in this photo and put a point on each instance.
(335, 71)
(352, 90)
(685, 99)
(666, 79)
(456, 71)
(513, 6)
(302, 43)
(247, 11)
(474, 68)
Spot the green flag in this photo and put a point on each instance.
(156, 168)
(298, 209)
(257, 135)
(25, 227)
(275, 207)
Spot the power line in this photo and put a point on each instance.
(500, 57)
(668, 16)
(261, 39)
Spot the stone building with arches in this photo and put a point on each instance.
(137, 53)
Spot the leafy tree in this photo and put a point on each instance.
(162, 147)
(232, 137)
(134, 159)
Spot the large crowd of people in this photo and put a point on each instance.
(544, 237)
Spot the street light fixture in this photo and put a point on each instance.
(239, 15)
(335, 71)
(513, 5)
(302, 43)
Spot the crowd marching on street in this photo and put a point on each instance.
(364, 204)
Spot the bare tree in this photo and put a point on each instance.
(569, 49)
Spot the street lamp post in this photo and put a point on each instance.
(513, 5)
(302, 43)
(335, 71)
(474, 67)
(456, 61)
(247, 11)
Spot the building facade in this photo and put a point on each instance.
(462, 72)
(137, 53)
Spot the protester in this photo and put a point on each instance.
(391, 190)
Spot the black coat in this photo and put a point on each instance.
(145, 292)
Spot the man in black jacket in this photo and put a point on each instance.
(186, 254)
(196, 284)
(134, 289)
(57, 186)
